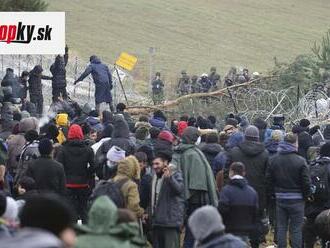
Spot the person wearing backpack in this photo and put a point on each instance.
(320, 200)
(288, 178)
(129, 171)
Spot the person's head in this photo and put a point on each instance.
(25, 75)
(251, 133)
(237, 168)
(157, 75)
(291, 138)
(31, 135)
(160, 115)
(229, 130)
(93, 135)
(277, 136)
(48, 212)
(143, 118)
(190, 135)
(325, 150)
(154, 132)
(115, 154)
(142, 158)
(204, 222)
(17, 116)
(75, 132)
(142, 133)
(9, 70)
(191, 121)
(213, 69)
(304, 123)
(62, 119)
(212, 138)
(161, 160)
(212, 119)
(120, 107)
(129, 167)
(26, 184)
(45, 147)
(106, 117)
(184, 118)
(167, 136)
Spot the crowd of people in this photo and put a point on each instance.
(84, 180)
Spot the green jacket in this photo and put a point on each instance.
(197, 173)
(103, 231)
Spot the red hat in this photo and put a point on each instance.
(75, 132)
(182, 125)
(166, 135)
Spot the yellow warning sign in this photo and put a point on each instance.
(126, 61)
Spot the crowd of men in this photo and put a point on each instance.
(191, 182)
(203, 84)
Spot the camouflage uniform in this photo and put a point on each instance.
(184, 84)
(215, 78)
(204, 83)
(157, 89)
(195, 87)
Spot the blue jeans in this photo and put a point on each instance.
(289, 213)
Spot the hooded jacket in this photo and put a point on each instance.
(129, 168)
(102, 79)
(238, 205)
(255, 158)
(35, 77)
(59, 72)
(288, 175)
(78, 161)
(197, 175)
(104, 231)
(211, 150)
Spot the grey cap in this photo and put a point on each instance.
(252, 133)
(205, 221)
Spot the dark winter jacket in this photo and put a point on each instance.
(24, 87)
(305, 141)
(120, 138)
(211, 150)
(145, 189)
(78, 162)
(35, 77)
(128, 119)
(255, 158)
(288, 175)
(58, 71)
(169, 210)
(102, 79)
(10, 80)
(238, 204)
(271, 147)
(48, 175)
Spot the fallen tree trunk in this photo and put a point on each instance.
(138, 110)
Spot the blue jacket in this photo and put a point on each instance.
(238, 205)
(102, 79)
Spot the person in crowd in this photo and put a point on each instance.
(78, 161)
(141, 134)
(184, 84)
(182, 124)
(288, 178)
(209, 231)
(167, 202)
(272, 144)
(158, 120)
(59, 76)
(106, 229)
(102, 79)
(320, 200)
(129, 172)
(45, 221)
(26, 188)
(47, 173)
(205, 83)
(199, 183)
(143, 121)
(254, 156)
(35, 88)
(23, 80)
(164, 141)
(305, 140)
(211, 148)
(120, 109)
(215, 78)
(238, 203)
(62, 123)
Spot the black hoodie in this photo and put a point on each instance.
(255, 158)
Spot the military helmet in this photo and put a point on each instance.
(194, 77)
(204, 75)
(183, 72)
(158, 74)
(213, 69)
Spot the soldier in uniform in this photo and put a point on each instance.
(204, 83)
(184, 84)
(157, 89)
(246, 75)
(232, 75)
(215, 78)
(195, 87)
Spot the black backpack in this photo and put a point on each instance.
(112, 190)
(319, 178)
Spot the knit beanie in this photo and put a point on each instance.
(166, 135)
(115, 154)
(325, 150)
(62, 119)
(45, 147)
(260, 123)
(141, 133)
(182, 125)
(75, 132)
(48, 212)
(204, 221)
(232, 121)
(190, 135)
(31, 135)
(252, 133)
(3, 203)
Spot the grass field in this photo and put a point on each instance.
(194, 34)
